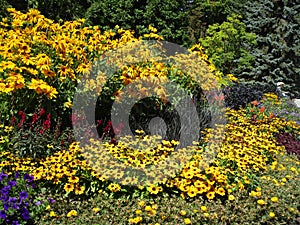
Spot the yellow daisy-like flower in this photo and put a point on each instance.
(231, 197)
(73, 179)
(141, 203)
(274, 199)
(203, 208)
(52, 214)
(187, 221)
(272, 215)
(114, 187)
(210, 195)
(182, 212)
(148, 208)
(68, 104)
(261, 202)
(96, 209)
(154, 189)
(79, 190)
(72, 213)
(69, 187)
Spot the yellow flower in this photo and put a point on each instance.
(203, 208)
(114, 187)
(72, 213)
(52, 214)
(274, 199)
(182, 212)
(141, 203)
(96, 209)
(79, 190)
(148, 208)
(138, 212)
(231, 197)
(154, 189)
(48, 207)
(206, 215)
(187, 221)
(272, 215)
(69, 187)
(210, 195)
(260, 202)
(68, 104)
(73, 179)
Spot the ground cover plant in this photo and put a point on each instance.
(252, 177)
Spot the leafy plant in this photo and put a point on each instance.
(239, 95)
(33, 137)
(228, 45)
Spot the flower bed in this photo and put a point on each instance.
(253, 174)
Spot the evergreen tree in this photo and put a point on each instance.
(277, 25)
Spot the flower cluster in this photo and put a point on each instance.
(17, 203)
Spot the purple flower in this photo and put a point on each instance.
(28, 178)
(51, 201)
(6, 206)
(12, 183)
(15, 222)
(2, 176)
(17, 175)
(25, 215)
(12, 200)
(23, 195)
(2, 214)
(38, 203)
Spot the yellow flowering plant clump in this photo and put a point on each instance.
(42, 61)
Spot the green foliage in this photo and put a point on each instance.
(203, 13)
(169, 17)
(228, 44)
(53, 9)
(3, 5)
(277, 25)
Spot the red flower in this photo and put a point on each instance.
(262, 109)
(42, 111)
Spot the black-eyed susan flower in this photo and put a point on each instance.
(69, 187)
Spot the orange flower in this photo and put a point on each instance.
(255, 103)
(262, 109)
